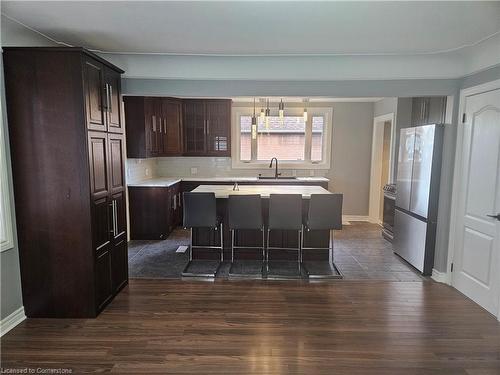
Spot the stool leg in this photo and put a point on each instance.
(232, 245)
(191, 244)
(263, 246)
(221, 245)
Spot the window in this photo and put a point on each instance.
(297, 144)
(6, 241)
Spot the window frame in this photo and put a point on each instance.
(325, 112)
(6, 232)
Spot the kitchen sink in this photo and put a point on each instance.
(277, 178)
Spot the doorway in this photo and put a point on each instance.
(381, 165)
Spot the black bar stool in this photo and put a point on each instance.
(245, 213)
(325, 213)
(200, 212)
(285, 213)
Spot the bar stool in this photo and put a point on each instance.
(325, 213)
(245, 213)
(200, 212)
(285, 213)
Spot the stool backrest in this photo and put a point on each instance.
(325, 211)
(285, 211)
(199, 210)
(245, 212)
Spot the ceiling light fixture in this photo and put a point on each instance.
(268, 113)
(305, 109)
(254, 122)
(281, 109)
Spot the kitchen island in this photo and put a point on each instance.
(280, 238)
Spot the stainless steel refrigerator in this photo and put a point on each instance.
(418, 177)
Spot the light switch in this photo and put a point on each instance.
(146, 171)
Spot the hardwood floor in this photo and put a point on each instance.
(266, 327)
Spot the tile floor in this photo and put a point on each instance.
(360, 253)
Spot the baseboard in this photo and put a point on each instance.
(347, 218)
(9, 322)
(440, 277)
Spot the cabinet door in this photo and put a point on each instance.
(172, 139)
(437, 110)
(98, 161)
(103, 289)
(194, 127)
(116, 162)
(218, 127)
(119, 220)
(113, 101)
(93, 89)
(151, 126)
(119, 265)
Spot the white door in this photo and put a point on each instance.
(476, 262)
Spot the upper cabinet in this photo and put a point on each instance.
(174, 127)
(102, 97)
(154, 126)
(207, 127)
(428, 110)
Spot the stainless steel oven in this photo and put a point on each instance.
(388, 214)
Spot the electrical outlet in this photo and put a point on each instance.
(146, 171)
(311, 172)
(194, 170)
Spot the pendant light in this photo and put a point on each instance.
(262, 112)
(281, 109)
(305, 110)
(254, 122)
(268, 113)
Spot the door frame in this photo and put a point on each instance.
(375, 188)
(458, 174)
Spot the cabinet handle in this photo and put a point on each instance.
(160, 126)
(115, 221)
(165, 125)
(153, 122)
(110, 98)
(208, 127)
(107, 97)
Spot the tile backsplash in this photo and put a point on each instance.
(140, 169)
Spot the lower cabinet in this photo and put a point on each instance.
(154, 211)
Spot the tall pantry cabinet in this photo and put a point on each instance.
(67, 143)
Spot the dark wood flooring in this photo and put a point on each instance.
(268, 327)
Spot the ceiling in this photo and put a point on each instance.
(262, 28)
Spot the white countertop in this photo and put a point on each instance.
(224, 191)
(156, 182)
(169, 181)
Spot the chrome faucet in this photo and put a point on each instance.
(276, 174)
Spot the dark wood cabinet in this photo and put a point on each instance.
(102, 97)
(154, 126)
(149, 209)
(194, 127)
(154, 211)
(428, 110)
(207, 127)
(172, 126)
(218, 123)
(68, 179)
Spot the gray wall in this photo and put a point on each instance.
(11, 298)
(385, 106)
(351, 155)
(10, 279)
